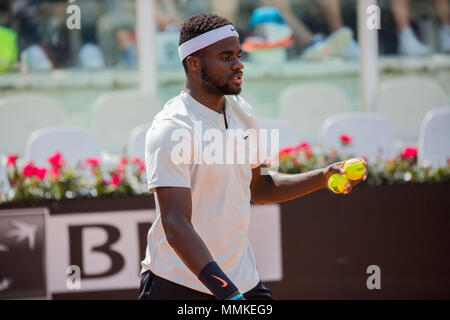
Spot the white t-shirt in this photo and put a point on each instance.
(220, 191)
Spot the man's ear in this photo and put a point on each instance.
(193, 63)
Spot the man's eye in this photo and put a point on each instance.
(225, 58)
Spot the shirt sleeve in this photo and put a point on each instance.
(167, 156)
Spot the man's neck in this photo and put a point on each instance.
(212, 101)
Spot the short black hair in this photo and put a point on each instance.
(198, 24)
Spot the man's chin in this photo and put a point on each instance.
(224, 90)
(234, 91)
(231, 91)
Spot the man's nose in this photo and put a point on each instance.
(238, 65)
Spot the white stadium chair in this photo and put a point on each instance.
(287, 135)
(434, 140)
(372, 135)
(306, 106)
(115, 115)
(20, 115)
(136, 141)
(75, 144)
(404, 102)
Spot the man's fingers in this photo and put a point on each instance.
(364, 177)
(338, 167)
(354, 182)
(363, 161)
(349, 186)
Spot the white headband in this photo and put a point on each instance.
(206, 39)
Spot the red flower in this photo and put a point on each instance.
(308, 153)
(56, 160)
(137, 160)
(121, 166)
(94, 171)
(116, 179)
(448, 161)
(346, 139)
(12, 158)
(93, 162)
(140, 163)
(55, 173)
(286, 151)
(141, 168)
(332, 154)
(29, 170)
(409, 152)
(303, 145)
(40, 173)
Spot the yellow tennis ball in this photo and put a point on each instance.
(337, 182)
(354, 169)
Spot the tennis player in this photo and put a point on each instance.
(198, 246)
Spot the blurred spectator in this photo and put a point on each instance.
(90, 55)
(228, 9)
(408, 44)
(8, 49)
(339, 42)
(270, 31)
(167, 36)
(41, 38)
(45, 41)
(167, 17)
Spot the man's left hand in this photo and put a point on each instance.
(337, 167)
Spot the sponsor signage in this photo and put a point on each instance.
(23, 254)
(43, 254)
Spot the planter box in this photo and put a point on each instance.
(86, 205)
(329, 241)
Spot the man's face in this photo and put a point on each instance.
(221, 70)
